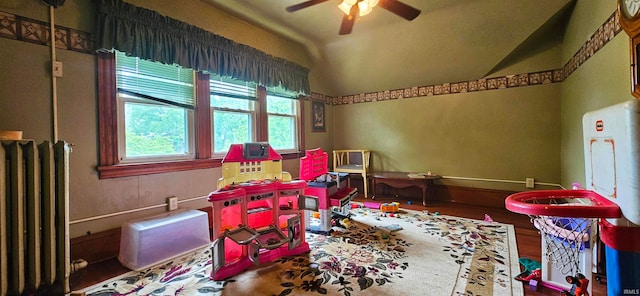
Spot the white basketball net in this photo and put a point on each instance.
(565, 238)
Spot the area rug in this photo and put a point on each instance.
(407, 253)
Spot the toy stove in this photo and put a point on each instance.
(330, 188)
(258, 211)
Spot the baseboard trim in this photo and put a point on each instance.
(96, 247)
(471, 196)
(466, 195)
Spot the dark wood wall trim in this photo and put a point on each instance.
(107, 120)
(471, 196)
(465, 195)
(203, 124)
(96, 247)
(137, 169)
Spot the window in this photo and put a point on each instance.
(233, 111)
(282, 115)
(155, 110)
(156, 118)
(234, 115)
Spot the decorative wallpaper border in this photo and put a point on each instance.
(508, 81)
(598, 40)
(34, 31)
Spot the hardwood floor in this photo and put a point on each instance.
(527, 237)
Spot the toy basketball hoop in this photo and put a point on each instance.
(566, 219)
(562, 203)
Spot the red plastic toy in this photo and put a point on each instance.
(579, 285)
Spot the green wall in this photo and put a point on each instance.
(499, 134)
(603, 80)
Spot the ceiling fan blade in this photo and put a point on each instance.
(305, 4)
(399, 8)
(349, 20)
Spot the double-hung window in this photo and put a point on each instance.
(155, 110)
(282, 113)
(233, 112)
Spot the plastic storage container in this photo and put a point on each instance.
(150, 241)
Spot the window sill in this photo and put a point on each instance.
(139, 169)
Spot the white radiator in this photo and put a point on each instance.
(34, 218)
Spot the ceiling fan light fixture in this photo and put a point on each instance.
(371, 3)
(365, 6)
(345, 5)
(362, 7)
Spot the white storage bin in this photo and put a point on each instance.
(149, 241)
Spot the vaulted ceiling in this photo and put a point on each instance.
(450, 41)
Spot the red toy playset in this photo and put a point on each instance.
(258, 211)
(330, 188)
(579, 286)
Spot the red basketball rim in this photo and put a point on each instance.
(537, 202)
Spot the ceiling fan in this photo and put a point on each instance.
(353, 8)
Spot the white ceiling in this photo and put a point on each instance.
(450, 41)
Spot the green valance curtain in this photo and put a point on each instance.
(148, 35)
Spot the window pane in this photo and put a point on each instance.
(280, 105)
(282, 132)
(230, 128)
(154, 129)
(231, 103)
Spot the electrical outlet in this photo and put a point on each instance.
(56, 69)
(172, 203)
(529, 183)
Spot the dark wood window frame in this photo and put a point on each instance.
(109, 163)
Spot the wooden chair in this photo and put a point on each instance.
(353, 161)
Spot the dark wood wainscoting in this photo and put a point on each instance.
(465, 195)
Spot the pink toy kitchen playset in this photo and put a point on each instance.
(258, 212)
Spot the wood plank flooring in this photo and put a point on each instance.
(527, 237)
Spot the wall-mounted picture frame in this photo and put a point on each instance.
(317, 117)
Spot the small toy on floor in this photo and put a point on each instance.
(372, 205)
(579, 285)
(390, 207)
(390, 215)
(533, 285)
(488, 218)
(345, 223)
(535, 274)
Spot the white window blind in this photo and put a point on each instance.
(232, 88)
(155, 81)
